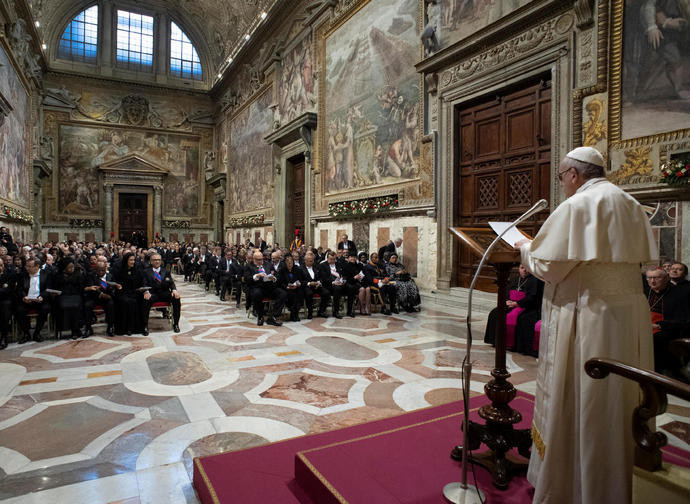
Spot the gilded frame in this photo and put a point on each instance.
(615, 91)
(323, 199)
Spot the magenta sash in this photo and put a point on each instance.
(512, 316)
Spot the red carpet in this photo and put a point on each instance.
(402, 460)
(267, 473)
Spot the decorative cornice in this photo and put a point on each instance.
(247, 221)
(291, 132)
(515, 48)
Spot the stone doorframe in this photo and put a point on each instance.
(132, 174)
(288, 141)
(546, 47)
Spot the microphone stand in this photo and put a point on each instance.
(462, 492)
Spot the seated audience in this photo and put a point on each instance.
(69, 282)
(331, 275)
(261, 283)
(406, 291)
(380, 283)
(7, 287)
(313, 285)
(32, 297)
(128, 317)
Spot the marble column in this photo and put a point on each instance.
(108, 211)
(157, 210)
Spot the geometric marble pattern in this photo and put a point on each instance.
(119, 420)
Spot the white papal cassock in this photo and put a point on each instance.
(589, 252)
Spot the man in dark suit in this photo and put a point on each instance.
(32, 296)
(229, 275)
(99, 290)
(7, 286)
(162, 289)
(313, 285)
(390, 247)
(347, 245)
(212, 269)
(258, 287)
(331, 275)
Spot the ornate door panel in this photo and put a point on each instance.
(132, 214)
(296, 204)
(504, 166)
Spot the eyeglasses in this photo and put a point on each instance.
(561, 173)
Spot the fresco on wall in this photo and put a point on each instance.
(656, 67)
(456, 19)
(83, 149)
(297, 82)
(15, 136)
(250, 183)
(372, 98)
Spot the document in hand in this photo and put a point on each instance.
(512, 236)
(53, 291)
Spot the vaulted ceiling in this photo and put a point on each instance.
(223, 24)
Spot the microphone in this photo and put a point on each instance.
(462, 492)
(536, 208)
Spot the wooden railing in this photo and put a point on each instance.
(655, 389)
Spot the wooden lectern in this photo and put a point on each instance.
(498, 433)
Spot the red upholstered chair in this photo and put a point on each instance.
(165, 308)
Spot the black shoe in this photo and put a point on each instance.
(129, 332)
(145, 332)
(385, 311)
(84, 334)
(295, 318)
(272, 321)
(110, 331)
(238, 305)
(309, 315)
(394, 309)
(24, 339)
(37, 338)
(176, 328)
(88, 332)
(222, 298)
(337, 315)
(260, 321)
(3, 342)
(351, 314)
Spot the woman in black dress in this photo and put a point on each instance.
(406, 290)
(356, 285)
(70, 281)
(128, 317)
(290, 279)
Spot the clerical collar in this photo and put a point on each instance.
(590, 183)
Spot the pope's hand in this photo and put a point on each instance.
(520, 243)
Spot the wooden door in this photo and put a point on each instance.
(504, 149)
(296, 204)
(132, 214)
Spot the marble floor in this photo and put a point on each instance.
(119, 420)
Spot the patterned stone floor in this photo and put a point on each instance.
(119, 420)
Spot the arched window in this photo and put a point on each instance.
(184, 60)
(79, 41)
(134, 41)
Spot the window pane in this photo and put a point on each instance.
(184, 60)
(79, 40)
(135, 34)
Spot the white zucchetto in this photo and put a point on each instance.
(587, 155)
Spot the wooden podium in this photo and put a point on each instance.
(498, 433)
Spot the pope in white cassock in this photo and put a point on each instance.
(588, 252)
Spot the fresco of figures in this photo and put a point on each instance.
(15, 137)
(656, 67)
(297, 82)
(372, 98)
(251, 183)
(457, 19)
(83, 149)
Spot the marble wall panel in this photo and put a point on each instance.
(323, 238)
(383, 234)
(334, 230)
(410, 249)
